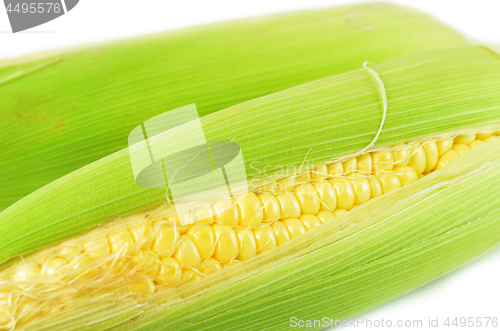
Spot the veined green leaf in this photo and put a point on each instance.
(61, 112)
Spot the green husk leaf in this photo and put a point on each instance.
(428, 94)
(62, 111)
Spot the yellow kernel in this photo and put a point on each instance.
(461, 148)
(325, 216)
(475, 143)
(54, 267)
(482, 136)
(68, 251)
(431, 155)
(382, 160)
(97, 248)
(295, 227)
(142, 235)
(185, 218)
(144, 288)
(210, 266)
(388, 181)
(121, 241)
(250, 208)
(489, 138)
(271, 207)
(308, 199)
(335, 168)
(226, 212)
(246, 243)
(326, 195)
(115, 268)
(365, 164)
(281, 233)
(407, 175)
(417, 159)
(361, 188)
(203, 214)
(444, 146)
(350, 165)
(265, 239)
(309, 221)
(149, 263)
(174, 219)
(167, 237)
(203, 237)
(320, 172)
(289, 205)
(375, 187)
(447, 158)
(344, 191)
(26, 273)
(189, 275)
(170, 272)
(401, 155)
(226, 247)
(465, 139)
(187, 254)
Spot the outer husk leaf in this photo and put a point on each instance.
(60, 112)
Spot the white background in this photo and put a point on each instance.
(472, 291)
(98, 20)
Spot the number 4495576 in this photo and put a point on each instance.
(471, 322)
(33, 8)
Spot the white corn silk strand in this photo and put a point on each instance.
(384, 99)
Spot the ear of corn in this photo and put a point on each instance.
(426, 94)
(399, 242)
(375, 236)
(347, 265)
(77, 106)
(152, 257)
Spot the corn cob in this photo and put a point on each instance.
(138, 265)
(121, 84)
